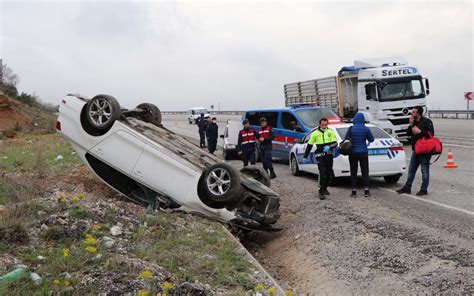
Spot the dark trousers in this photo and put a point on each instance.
(325, 170)
(211, 145)
(415, 161)
(266, 157)
(202, 139)
(248, 155)
(363, 159)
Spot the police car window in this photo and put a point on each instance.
(288, 121)
(253, 118)
(271, 117)
(377, 132)
(311, 117)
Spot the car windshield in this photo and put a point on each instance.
(400, 90)
(199, 111)
(311, 117)
(377, 132)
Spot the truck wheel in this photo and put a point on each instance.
(257, 174)
(295, 170)
(102, 111)
(392, 179)
(152, 115)
(220, 184)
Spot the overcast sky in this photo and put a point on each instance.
(236, 54)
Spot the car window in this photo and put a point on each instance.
(288, 121)
(311, 117)
(254, 117)
(377, 132)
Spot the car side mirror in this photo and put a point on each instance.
(222, 136)
(298, 141)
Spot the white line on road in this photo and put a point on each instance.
(455, 145)
(432, 202)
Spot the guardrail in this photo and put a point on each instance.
(458, 114)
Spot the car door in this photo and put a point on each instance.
(120, 150)
(290, 131)
(308, 164)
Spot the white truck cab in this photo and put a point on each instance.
(195, 112)
(384, 89)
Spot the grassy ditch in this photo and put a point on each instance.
(49, 223)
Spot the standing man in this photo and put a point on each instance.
(325, 140)
(202, 131)
(419, 128)
(265, 138)
(212, 135)
(246, 144)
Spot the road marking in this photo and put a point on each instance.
(455, 138)
(455, 145)
(431, 202)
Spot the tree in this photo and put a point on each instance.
(7, 76)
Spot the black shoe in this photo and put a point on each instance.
(367, 193)
(322, 196)
(404, 189)
(326, 192)
(354, 194)
(422, 192)
(272, 174)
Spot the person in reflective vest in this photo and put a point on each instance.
(247, 143)
(264, 141)
(325, 140)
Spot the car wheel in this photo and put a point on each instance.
(221, 183)
(102, 111)
(257, 174)
(295, 170)
(392, 179)
(152, 115)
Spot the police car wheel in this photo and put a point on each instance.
(295, 170)
(152, 115)
(392, 179)
(220, 184)
(101, 112)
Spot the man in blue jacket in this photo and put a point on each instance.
(359, 135)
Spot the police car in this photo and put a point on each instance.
(386, 156)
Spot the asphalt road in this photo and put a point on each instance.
(388, 243)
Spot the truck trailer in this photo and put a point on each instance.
(383, 89)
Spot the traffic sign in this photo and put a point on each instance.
(468, 95)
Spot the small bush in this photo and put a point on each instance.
(81, 214)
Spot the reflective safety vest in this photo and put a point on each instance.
(320, 138)
(264, 132)
(248, 136)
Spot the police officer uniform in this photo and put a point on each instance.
(247, 143)
(265, 135)
(326, 142)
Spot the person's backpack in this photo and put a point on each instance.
(346, 145)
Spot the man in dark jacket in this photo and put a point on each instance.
(420, 127)
(212, 135)
(359, 135)
(246, 143)
(202, 123)
(265, 143)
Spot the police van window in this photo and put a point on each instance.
(288, 121)
(271, 117)
(253, 118)
(377, 132)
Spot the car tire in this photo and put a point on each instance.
(391, 179)
(220, 184)
(225, 154)
(100, 108)
(257, 174)
(295, 170)
(153, 114)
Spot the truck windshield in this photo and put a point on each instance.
(311, 117)
(400, 90)
(199, 111)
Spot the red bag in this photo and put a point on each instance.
(431, 145)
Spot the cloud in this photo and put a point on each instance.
(237, 54)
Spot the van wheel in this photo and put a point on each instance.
(220, 185)
(152, 115)
(392, 179)
(102, 111)
(257, 174)
(295, 170)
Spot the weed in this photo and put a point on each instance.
(81, 214)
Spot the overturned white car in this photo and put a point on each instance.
(134, 154)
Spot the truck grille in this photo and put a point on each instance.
(399, 121)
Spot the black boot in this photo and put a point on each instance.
(272, 174)
(404, 189)
(321, 195)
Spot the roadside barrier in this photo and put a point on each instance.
(450, 164)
